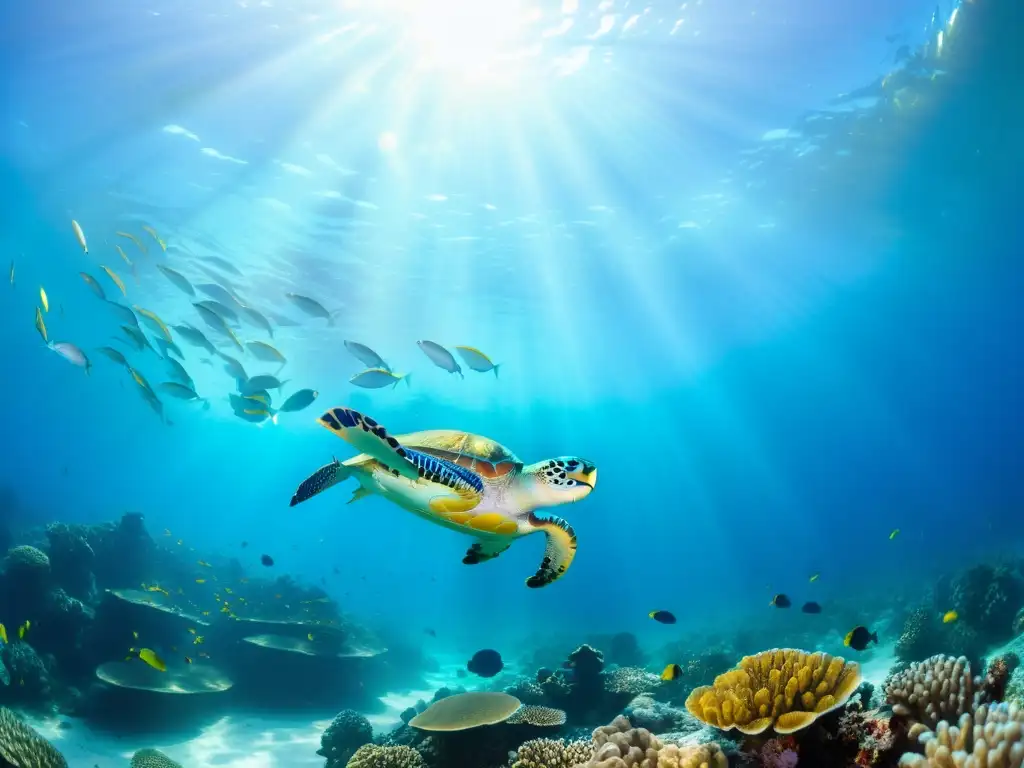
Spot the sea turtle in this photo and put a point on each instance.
(464, 482)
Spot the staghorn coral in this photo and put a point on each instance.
(935, 689)
(22, 747)
(347, 732)
(552, 753)
(151, 758)
(990, 737)
(785, 688)
(692, 756)
(374, 756)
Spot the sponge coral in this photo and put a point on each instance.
(22, 747)
(785, 688)
(991, 737)
(938, 688)
(552, 753)
(373, 756)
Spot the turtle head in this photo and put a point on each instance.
(561, 480)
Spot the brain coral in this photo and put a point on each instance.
(938, 688)
(785, 688)
(22, 747)
(552, 753)
(26, 560)
(990, 738)
(373, 756)
(151, 758)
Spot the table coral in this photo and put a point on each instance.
(990, 737)
(783, 688)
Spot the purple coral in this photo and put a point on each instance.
(774, 754)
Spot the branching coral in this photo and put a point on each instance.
(785, 688)
(552, 753)
(151, 758)
(373, 756)
(991, 737)
(935, 689)
(22, 747)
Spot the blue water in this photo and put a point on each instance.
(771, 377)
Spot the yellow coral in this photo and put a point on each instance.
(785, 688)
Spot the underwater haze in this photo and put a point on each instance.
(714, 252)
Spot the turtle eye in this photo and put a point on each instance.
(570, 481)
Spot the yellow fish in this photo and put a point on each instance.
(949, 617)
(23, 629)
(124, 255)
(225, 608)
(135, 635)
(156, 320)
(79, 235)
(814, 578)
(43, 299)
(228, 590)
(200, 581)
(188, 660)
(152, 659)
(894, 534)
(40, 325)
(167, 532)
(3, 633)
(206, 613)
(198, 640)
(155, 236)
(116, 280)
(310, 637)
(204, 563)
(134, 239)
(192, 630)
(672, 672)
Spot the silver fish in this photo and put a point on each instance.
(71, 353)
(311, 307)
(378, 378)
(194, 337)
(182, 392)
(114, 355)
(258, 383)
(477, 360)
(227, 314)
(219, 294)
(125, 313)
(223, 264)
(169, 347)
(93, 284)
(299, 400)
(366, 356)
(440, 356)
(234, 368)
(137, 337)
(179, 280)
(179, 373)
(257, 319)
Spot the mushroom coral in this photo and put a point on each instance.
(991, 737)
(783, 688)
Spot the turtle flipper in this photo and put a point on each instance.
(369, 437)
(482, 551)
(559, 552)
(321, 480)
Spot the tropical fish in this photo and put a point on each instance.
(169, 347)
(152, 233)
(3, 634)
(135, 635)
(198, 640)
(366, 355)
(299, 400)
(153, 321)
(179, 280)
(123, 255)
(859, 637)
(71, 353)
(265, 352)
(195, 337)
(93, 284)
(672, 672)
(234, 368)
(217, 323)
(23, 629)
(79, 235)
(257, 318)
(224, 264)
(42, 298)
(126, 314)
(485, 663)
(811, 607)
(814, 577)
(311, 307)
(114, 355)
(219, 308)
(949, 617)
(115, 279)
(266, 560)
(138, 243)
(258, 383)
(150, 657)
(663, 617)
(40, 325)
(378, 378)
(440, 357)
(477, 360)
(179, 373)
(894, 534)
(137, 337)
(780, 601)
(139, 379)
(182, 392)
(309, 636)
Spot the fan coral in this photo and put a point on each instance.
(552, 753)
(932, 690)
(785, 688)
(151, 758)
(373, 756)
(347, 732)
(993, 737)
(22, 747)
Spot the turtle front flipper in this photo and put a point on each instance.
(369, 437)
(321, 480)
(559, 552)
(482, 551)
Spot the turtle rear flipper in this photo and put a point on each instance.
(482, 551)
(321, 480)
(369, 437)
(559, 552)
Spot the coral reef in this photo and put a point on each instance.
(920, 636)
(987, 598)
(868, 735)
(72, 559)
(347, 732)
(620, 745)
(151, 758)
(990, 737)
(782, 688)
(552, 753)
(30, 675)
(656, 716)
(22, 747)
(938, 688)
(466, 710)
(531, 714)
(624, 650)
(374, 756)
(692, 756)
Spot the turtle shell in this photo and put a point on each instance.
(487, 458)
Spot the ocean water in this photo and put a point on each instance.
(782, 322)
